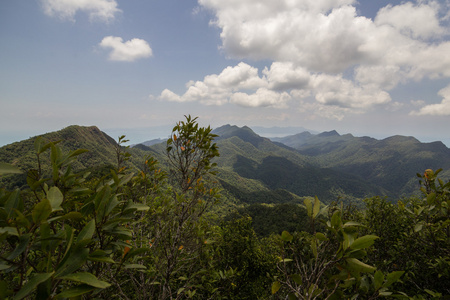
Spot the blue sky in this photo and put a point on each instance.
(136, 67)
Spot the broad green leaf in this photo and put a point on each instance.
(308, 205)
(431, 197)
(359, 266)
(286, 236)
(75, 291)
(314, 248)
(73, 262)
(87, 232)
(336, 219)
(378, 279)
(351, 223)
(9, 230)
(134, 266)
(8, 169)
(275, 287)
(55, 197)
(392, 278)
(31, 284)
(297, 278)
(77, 152)
(13, 202)
(41, 211)
(316, 209)
(320, 236)
(23, 243)
(363, 242)
(87, 278)
(73, 215)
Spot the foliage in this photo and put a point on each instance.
(328, 265)
(63, 239)
(414, 236)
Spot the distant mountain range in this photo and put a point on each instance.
(256, 169)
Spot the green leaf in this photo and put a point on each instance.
(418, 227)
(73, 215)
(75, 291)
(351, 223)
(55, 197)
(41, 211)
(297, 278)
(275, 287)
(286, 236)
(9, 230)
(87, 232)
(8, 169)
(359, 266)
(23, 243)
(72, 262)
(321, 237)
(134, 266)
(87, 278)
(336, 219)
(378, 279)
(32, 284)
(431, 197)
(77, 152)
(308, 205)
(316, 209)
(363, 242)
(392, 278)
(13, 202)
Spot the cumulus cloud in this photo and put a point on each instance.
(438, 109)
(276, 87)
(103, 10)
(261, 98)
(337, 91)
(126, 51)
(418, 21)
(311, 44)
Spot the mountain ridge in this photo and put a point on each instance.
(305, 164)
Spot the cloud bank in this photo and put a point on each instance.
(324, 55)
(126, 51)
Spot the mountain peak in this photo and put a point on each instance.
(245, 133)
(328, 133)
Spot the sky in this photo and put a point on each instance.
(370, 68)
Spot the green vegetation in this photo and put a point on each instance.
(130, 227)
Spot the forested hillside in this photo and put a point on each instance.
(204, 216)
(390, 163)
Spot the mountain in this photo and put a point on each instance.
(150, 142)
(101, 155)
(255, 169)
(391, 163)
(251, 165)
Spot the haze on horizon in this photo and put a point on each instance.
(369, 68)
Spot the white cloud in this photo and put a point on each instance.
(338, 91)
(438, 109)
(261, 98)
(103, 10)
(286, 76)
(418, 21)
(126, 51)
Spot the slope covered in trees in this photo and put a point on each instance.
(149, 230)
(391, 163)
